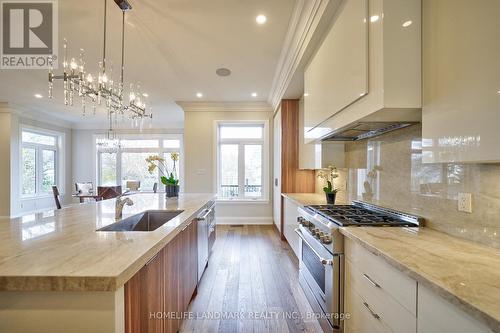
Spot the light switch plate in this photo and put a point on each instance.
(465, 202)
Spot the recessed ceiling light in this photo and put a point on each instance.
(254, 94)
(38, 96)
(407, 23)
(261, 19)
(374, 18)
(223, 71)
(145, 95)
(199, 95)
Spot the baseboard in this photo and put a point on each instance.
(226, 220)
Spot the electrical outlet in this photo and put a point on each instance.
(465, 202)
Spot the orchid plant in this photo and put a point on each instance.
(329, 174)
(167, 177)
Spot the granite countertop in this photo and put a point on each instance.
(305, 199)
(61, 251)
(464, 273)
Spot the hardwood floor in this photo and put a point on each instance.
(250, 285)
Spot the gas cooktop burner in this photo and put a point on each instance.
(361, 213)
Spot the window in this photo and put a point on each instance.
(241, 161)
(128, 162)
(39, 157)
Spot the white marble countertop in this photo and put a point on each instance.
(465, 273)
(305, 199)
(61, 250)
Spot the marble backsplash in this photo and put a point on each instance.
(388, 171)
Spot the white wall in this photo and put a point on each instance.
(200, 163)
(20, 206)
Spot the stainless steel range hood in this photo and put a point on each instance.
(381, 122)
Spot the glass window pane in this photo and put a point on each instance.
(253, 171)
(241, 132)
(229, 171)
(28, 171)
(31, 137)
(48, 170)
(140, 143)
(135, 167)
(108, 169)
(171, 143)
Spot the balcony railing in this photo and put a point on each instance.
(232, 191)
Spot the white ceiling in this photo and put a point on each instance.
(173, 47)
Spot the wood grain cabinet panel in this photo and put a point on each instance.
(161, 291)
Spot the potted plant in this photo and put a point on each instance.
(168, 178)
(329, 175)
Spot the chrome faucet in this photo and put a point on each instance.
(120, 202)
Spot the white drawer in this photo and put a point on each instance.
(361, 319)
(383, 305)
(377, 274)
(436, 315)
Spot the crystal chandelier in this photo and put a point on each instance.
(101, 89)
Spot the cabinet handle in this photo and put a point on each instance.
(375, 284)
(151, 260)
(376, 316)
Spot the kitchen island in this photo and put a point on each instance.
(58, 274)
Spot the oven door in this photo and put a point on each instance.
(320, 278)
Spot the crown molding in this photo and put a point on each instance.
(34, 114)
(225, 106)
(306, 23)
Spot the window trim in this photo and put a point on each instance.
(58, 148)
(160, 151)
(241, 166)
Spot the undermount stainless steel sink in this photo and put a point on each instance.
(146, 221)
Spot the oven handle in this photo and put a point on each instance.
(323, 260)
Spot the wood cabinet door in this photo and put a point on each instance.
(157, 296)
(188, 263)
(144, 295)
(172, 282)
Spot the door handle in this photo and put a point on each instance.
(204, 216)
(321, 259)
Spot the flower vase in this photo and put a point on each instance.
(330, 198)
(171, 191)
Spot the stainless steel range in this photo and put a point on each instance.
(322, 248)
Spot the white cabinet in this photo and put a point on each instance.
(338, 74)
(461, 81)
(314, 155)
(370, 61)
(379, 297)
(290, 223)
(436, 315)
